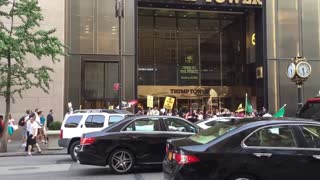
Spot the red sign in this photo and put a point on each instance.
(116, 86)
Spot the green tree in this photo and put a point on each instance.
(21, 41)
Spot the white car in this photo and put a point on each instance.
(85, 121)
(208, 123)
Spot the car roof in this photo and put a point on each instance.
(265, 121)
(222, 118)
(107, 111)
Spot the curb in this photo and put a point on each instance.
(43, 153)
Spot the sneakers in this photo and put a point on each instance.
(29, 155)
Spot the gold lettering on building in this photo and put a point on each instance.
(220, 1)
(234, 1)
(244, 2)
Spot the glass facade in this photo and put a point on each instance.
(201, 49)
(93, 47)
(292, 30)
(179, 48)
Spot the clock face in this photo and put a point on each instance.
(291, 71)
(303, 69)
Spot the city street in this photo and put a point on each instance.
(61, 167)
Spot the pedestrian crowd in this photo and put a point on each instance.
(198, 115)
(33, 127)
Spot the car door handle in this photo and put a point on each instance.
(81, 126)
(262, 155)
(316, 157)
(135, 137)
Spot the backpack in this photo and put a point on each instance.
(21, 121)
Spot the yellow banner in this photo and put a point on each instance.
(168, 103)
(150, 101)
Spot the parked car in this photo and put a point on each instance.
(84, 121)
(311, 109)
(208, 123)
(139, 140)
(249, 149)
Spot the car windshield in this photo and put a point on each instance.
(213, 133)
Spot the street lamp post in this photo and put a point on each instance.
(298, 71)
(119, 5)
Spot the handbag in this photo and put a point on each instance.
(15, 127)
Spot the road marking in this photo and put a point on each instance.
(14, 170)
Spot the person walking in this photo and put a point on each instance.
(23, 125)
(50, 118)
(11, 125)
(42, 129)
(33, 132)
(1, 126)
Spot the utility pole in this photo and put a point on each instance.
(119, 5)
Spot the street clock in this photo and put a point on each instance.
(291, 71)
(303, 69)
(299, 70)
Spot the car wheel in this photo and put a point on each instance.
(242, 177)
(121, 161)
(74, 149)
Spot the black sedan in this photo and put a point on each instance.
(139, 140)
(249, 149)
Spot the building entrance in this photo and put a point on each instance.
(185, 54)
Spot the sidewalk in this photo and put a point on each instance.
(15, 149)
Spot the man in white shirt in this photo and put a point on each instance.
(32, 128)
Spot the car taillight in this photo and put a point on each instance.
(61, 134)
(185, 159)
(87, 141)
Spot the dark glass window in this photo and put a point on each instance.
(72, 121)
(95, 121)
(179, 125)
(273, 137)
(191, 48)
(312, 136)
(115, 119)
(144, 125)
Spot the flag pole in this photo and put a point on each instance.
(245, 107)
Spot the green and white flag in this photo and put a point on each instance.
(248, 107)
(281, 111)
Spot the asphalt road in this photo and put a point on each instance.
(62, 168)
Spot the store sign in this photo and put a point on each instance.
(231, 2)
(188, 72)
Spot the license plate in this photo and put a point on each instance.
(170, 156)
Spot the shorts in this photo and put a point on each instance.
(31, 141)
(24, 132)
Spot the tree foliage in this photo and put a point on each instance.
(22, 41)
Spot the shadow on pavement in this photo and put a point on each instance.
(106, 171)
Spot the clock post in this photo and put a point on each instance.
(298, 71)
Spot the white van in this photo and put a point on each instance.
(85, 121)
